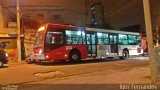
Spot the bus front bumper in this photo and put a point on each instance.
(39, 57)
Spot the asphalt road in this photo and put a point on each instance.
(90, 74)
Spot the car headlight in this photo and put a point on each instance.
(6, 54)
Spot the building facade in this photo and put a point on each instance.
(33, 15)
(8, 36)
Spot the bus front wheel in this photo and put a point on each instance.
(125, 55)
(75, 56)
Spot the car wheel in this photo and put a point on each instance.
(1, 64)
(28, 61)
(75, 56)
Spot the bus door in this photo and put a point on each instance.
(91, 44)
(113, 39)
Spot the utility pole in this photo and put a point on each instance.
(18, 30)
(157, 38)
(151, 50)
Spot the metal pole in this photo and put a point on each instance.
(148, 25)
(18, 31)
(157, 39)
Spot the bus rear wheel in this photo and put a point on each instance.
(75, 56)
(125, 55)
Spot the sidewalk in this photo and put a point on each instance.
(139, 57)
(16, 62)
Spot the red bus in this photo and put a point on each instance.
(66, 42)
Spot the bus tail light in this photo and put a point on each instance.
(40, 51)
(47, 56)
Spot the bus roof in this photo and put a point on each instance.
(61, 26)
(111, 31)
(51, 25)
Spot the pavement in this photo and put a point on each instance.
(26, 73)
(127, 72)
(139, 57)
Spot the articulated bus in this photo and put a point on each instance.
(66, 42)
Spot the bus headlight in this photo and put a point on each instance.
(40, 51)
(6, 54)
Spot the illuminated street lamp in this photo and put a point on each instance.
(18, 30)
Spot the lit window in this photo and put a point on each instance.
(102, 38)
(75, 37)
(123, 39)
(54, 37)
(132, 39)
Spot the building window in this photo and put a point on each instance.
(97, 14)
(56, 19)
(40, 15)
(40, 18)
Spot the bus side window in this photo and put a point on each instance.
(132, 39)
(58, 38)
(54, 38)
(123, 39)
(139, 40)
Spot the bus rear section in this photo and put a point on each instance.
(104, 43)
(60, 42)
(129, 45)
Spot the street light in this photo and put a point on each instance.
(18, 30)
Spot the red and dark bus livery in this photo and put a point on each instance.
(67, 42)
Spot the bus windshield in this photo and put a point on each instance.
(39, 40)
